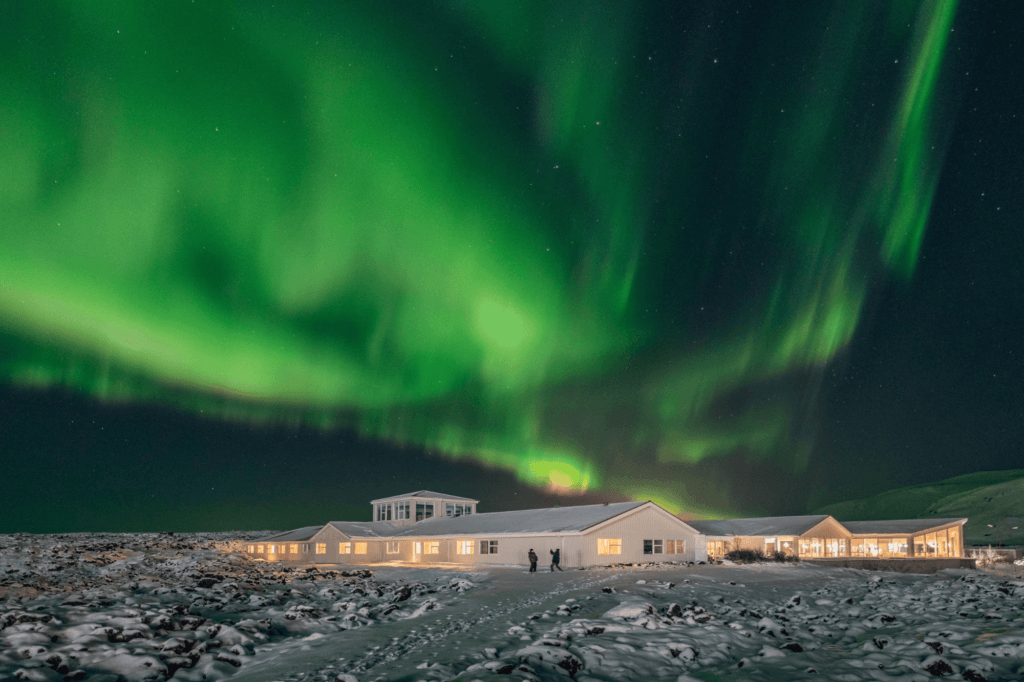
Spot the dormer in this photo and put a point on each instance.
(406, 510)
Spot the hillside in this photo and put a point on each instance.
(986, 497)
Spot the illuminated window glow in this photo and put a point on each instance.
(321, 548)
(360, 548)
(465, 546)
(344, 548)
(609, 546)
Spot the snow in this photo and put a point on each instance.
(193, 607)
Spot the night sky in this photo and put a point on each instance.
(261, 262)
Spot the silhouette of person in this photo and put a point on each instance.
(555, 559)
(533, 561)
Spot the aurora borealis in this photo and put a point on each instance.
(602, 248)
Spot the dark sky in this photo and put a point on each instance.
(261, 265)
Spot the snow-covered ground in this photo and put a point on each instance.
(135, 607)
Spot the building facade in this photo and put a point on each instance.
(417, 533)
(426, 527)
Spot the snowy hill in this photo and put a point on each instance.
(990, 499)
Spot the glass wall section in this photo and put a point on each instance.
(835, 547)
(892, 547)
(812, 548)
(954, 541)
(718, 548)
(424, 511)
(920, 549)
(942, 547)
(401, 510)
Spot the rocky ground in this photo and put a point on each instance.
(192, 607)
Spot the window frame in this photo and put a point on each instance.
(321, 548)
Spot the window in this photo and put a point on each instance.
(383, 511)
(718, 548)
(607, 546)
(432, 546)
(835, 547)
(680, 546)
(360, 548)
(954, 541)
(393, 548)
(670, 546)
(424, 511)
(464, 546)
(488, 546)
(467, 510)
(293, 549)
(252, 549)
(892, 547)
(418, 547)
(321, 547)
(653, 547)
(344, 548)
(920, 549)
(272, 548)
(449, 509)
(260, 550)
(401, 510)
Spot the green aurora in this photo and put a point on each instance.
(522, 237)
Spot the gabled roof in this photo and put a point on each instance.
(364, 529)
(426, 494)
(552, 520)
(900, 526)
(768, 525)
(297, 535)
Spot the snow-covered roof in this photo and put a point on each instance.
(768, 525)
(900, 526)
(297, 535)
(364, 529)
(552, 520)
(426, 494)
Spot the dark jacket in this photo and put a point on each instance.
(532, 556)
(555, 555)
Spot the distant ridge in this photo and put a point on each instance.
(985, 497)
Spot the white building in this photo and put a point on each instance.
(428, 527)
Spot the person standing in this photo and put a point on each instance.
(533, 561)
(555, 559)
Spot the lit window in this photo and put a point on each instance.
(465, 546)
(488, 546)
(260, 550)
(294, 549)
(418, 547)
(653, 547)
(432, 547)
(252, 549)
(360, 548)
(954, 541)
(393, 548)
(680, 546)
(607, 546)
(321, 548)
(272, 548)
(344, 547)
